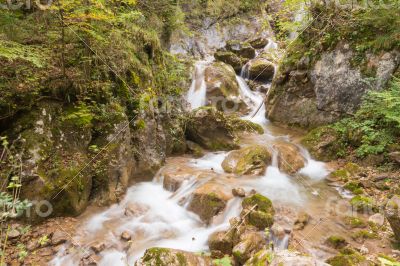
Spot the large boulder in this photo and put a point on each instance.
(209, 200)
(222, 87)
(242, 49)
(261, 69)
(251, 242)
(290, 159)
(258, 211)
(214, 130)
(392, 214)
(172, 257)
(259, 43)
(316, 91)
(283, 257)
(231, 59)
(221, 241)
(251, 160)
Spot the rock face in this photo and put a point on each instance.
(252, 160)
(392, 214)
(209, 200)
(290, 159)
(171, 257)
(214, 130)
(311, 94)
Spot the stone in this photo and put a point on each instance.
(250, 244)
(302, 220)
(221, 241)
(251, 160)
(239, 192)
(283, 257)
(261, 69)
(135, 209)
(336, 242)
(195, 149)
(377, 219)
(392, 214)
(259, 43)
(13, 233)
(290, 159)
(126, 236)
(395, 156)
(231, 59)
(209, 200)
(171, 257)
(258, 211)
(242, 49)
(98, 247)
(59, 237)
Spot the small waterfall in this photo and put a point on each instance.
(196, 96)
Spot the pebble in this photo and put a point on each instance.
(126, 236)
(98, 247)
(239, 192)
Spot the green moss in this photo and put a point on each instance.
(355, 222)
(364, 234)
(363, 204)
(354, 187)
(347, 257)
(261, 258)
(263, 203)
(336, 242)
(263, 214)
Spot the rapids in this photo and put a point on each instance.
(164, 221)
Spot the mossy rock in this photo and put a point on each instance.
(262, 216)
(355, 222)
(261, 69)
(242, 49)
(347, 257)
(261, 258)
(171, 257)
(230, 58)
(251, 160)
(363, 204)
(336, 242)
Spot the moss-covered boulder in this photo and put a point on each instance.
(258, 211)
(242, 49)
(346, 257)
(336, 242)
(283, 258)
(251, 160)
(259, 42)
(392, 214)
(251, 242)
(213, 130)
(231, 59)
(223, 88)
(290, 159)
(209, 200)
(221, 241)
(261, 69)
(363, 204)
(171, 257)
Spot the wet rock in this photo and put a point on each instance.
(377, 219)
(283, 257)
(250, 244)
(258, 211)
(302, 220)
(90, 260)
(209, 200)
(392, 214)
(59, 237)
(290, 159)
(221, 241)
(252, 160)
(260, 69)
(259, 43)
(213, 130)
(135, 209)
(171, 257)
(231, 59)
(173, 180)
(278, 231)
(239, 192)
(98, 247)
(126, 236)
(242, 49)
(223, 88)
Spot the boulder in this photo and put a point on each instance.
(261, 69)
(171, 257)
(336, 242)
(213, 130)
(259, 43)
(258, 211)
(242, 49)
(195, 149)
(392, 214)
(251, 160)
(222, 87)
(283, 257)
(395, 156)
(377, 219)
(250, 244)
(290, 159)
(221, 241)
(209, 200)
(173, 180)
(59, 237)
(134, 209)
(231, 59)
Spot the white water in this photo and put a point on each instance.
(165, 220)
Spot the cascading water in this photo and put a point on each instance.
(161, 218)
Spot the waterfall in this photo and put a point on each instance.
(196, 95)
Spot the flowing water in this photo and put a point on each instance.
(161, 218)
